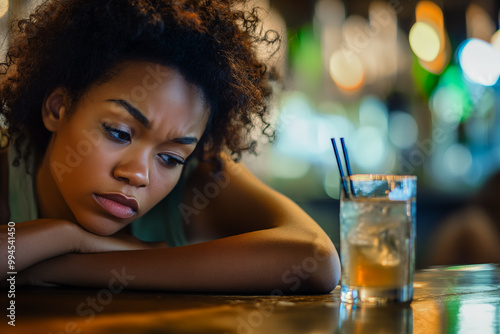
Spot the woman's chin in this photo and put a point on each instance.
(104, 229)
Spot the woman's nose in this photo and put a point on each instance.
(134, 170)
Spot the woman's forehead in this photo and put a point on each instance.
(153, 93)
(146, 76)
(139, 81)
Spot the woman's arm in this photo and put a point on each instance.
(41, 239)
(262, 242)
(254, 262)
(34, 241)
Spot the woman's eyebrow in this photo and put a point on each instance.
(186, 140)
(136, 113)
(139, 116)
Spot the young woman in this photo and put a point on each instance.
(126, 119)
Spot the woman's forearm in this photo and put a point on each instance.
(260, 261)
(30, 242)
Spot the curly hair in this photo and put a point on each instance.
(76, 43)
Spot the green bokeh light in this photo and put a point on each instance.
(305, 58)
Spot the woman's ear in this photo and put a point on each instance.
(54, 107)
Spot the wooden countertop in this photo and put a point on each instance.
(446, 300)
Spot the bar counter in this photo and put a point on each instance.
(460, 299)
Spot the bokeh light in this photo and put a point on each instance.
(4, 7)
(425, 81)
(447, 105)
(450, 102)
(495, 40)
(373, 112)
(355, 33)
(437, 65)
(369, 149)
(480, 61)
(304, 136)
(479, 23)
(331, 126)
(329, 15)
(305, 59)
(484, 101)
(403, 129)
(458, 160)
(382, 57)
(331, 183)
(346, 70)
(429, 12)
(428, 38)
(288, 167)
(295, 129)
(425, 41)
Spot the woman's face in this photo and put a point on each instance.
(121, 151)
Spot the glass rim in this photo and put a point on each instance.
(379, 177)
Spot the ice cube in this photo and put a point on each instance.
(363, 233)
(379, 242)
(403, 193)
(389, 247)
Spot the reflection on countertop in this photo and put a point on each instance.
(462, 299)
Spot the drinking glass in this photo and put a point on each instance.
(377, 238)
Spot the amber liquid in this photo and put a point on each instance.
(363, 272)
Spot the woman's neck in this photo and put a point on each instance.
(51, 204)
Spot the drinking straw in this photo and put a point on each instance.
(347, 165)
(339, 164)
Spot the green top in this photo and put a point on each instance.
(162, 223)
(22, 199)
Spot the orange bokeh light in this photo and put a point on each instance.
(430, 13)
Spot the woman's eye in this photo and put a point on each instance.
(116, 134)
(171, 161)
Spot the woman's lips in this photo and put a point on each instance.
(117, 205)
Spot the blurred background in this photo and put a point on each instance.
(412, 86)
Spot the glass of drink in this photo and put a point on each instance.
(377, 238)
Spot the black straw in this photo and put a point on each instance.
(347, 165)
(339, 163)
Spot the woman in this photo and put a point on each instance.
(128, 116)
